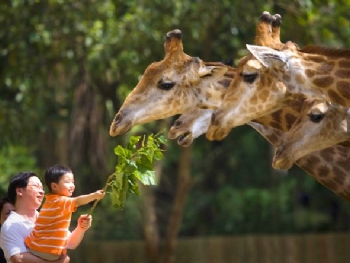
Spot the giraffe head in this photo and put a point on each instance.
(176, 84)
(320, 125)
(251, 95)
(190, 125)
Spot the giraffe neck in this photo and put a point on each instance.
(319, 72)
(209, 96)
(329, 167)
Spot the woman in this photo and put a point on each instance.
(5, 209)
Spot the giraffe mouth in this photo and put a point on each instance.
(185, 139)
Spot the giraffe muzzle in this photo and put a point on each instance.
(119, 125)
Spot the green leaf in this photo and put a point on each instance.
(135, 164)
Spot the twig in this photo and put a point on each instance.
(109, 179)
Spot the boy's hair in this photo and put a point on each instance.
(54, 174)
(20, 180)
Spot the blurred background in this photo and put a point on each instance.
(66, 68)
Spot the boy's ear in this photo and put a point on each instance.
(54, 186)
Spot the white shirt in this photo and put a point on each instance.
(13, 232)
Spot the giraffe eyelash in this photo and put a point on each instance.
(249, 77)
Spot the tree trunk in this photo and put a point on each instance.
(184, 184)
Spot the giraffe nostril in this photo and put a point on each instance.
(278, 151)
(178, 123)
(117, 118)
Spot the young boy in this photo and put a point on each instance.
(49, 236)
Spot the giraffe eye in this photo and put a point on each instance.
(316, 118)
(250, 77)
(167, 85)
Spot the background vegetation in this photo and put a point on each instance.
(66, 67)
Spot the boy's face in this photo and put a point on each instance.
(65, 185)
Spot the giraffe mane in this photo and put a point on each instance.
(229, 73)
(330, 52)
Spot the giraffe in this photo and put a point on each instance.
(328, 166)
(174, 85)
(315, 71)
(319, 125)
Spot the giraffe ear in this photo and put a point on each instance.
(268, 57)
(212, 71)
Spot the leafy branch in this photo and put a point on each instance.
(135, 163)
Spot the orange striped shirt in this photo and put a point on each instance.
(52, 226)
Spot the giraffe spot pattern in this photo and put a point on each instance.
(327, 155)
(342, 73)
(253, 100)
(330, 184)
(310, 73)
(345, 164)
(344, 64)
(276, 125)
(300, 79)
(263, 95)
(291, 87)
(343, 87)
(323, 171)
(208, 95)
(272, 138)
(225, 83)
(323, 82)
(334, 97)
(316, 58)
(339, 176)
(286, 78)
(313, 160)
(326, 68)
(290, 119)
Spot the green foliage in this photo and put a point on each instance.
(135, 164)
(14, 158)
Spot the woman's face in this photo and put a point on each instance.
(5, 212)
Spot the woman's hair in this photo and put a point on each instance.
(4, 201)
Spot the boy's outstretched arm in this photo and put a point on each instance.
(85, 199)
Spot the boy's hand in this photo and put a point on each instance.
(99, 194)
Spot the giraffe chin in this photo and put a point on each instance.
(185, 140)
(282, 163)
